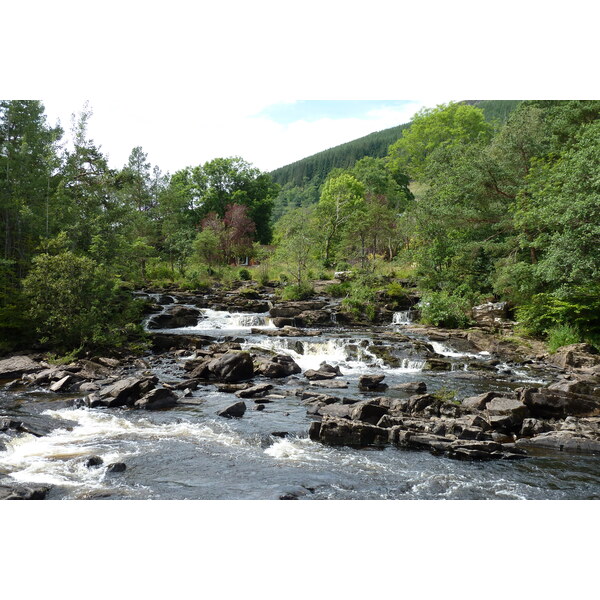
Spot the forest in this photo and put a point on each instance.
(464, 206)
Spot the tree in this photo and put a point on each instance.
(445, 125)
(342, 196)
(297, 236)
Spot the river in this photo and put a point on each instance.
(191, 453)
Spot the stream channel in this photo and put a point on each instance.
(191, 453)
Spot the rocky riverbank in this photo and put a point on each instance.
(562, 416)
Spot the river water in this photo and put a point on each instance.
(191, 453)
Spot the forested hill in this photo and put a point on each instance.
(314, 169)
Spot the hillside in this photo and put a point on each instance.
(314, 169)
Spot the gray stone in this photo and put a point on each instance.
(235, 410)
(157, 399)
(16, 366)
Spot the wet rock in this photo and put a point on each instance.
(284, 321)
(343, 432)
(16, 366)
(255, 391)
(117, 467)
(531, 427)
(286, 331)
(279, 366)
(371, 383)
(165, 341)
(258, 407)
(314, 317)
(325, 371)
(232, 388)
(437, 364)
(369, 411)
(233, 411)
(93, 461)
(157, 399)
(341, 411)
(177, 316)
(111, 363)
(417, 387)
(233, 366)
(12, 491)
(589, 386)
(122, 393)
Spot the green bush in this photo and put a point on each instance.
(297, 292)
(562, 335)
(444, 310)
(339, 290)
(73, 302)
(244, 275)
(396, 291)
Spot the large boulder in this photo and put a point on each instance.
(124, 392)
(279, 366)
(343, 432)
(236, 410)
(575, 356)
(157, 399)
(325, 371)
(562, 441)
(176, 316)
(16, 366)
(293, 309)
(545, 403)
(232, 366)
(371, 383)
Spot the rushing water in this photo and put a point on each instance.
(189, 452)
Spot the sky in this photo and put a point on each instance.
(188, 131)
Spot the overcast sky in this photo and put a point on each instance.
(176, 133)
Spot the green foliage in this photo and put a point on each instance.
(339, 290)
(301, 291)
(74, 302)
(444, 310)
(396, 291)
(562, 335)
(445, 394)
(244, 275)
(579, 308)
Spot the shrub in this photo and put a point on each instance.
(74, 302)
(244, 275)
(396, 291)
(297, 292)
(339, 290)
(562, 335)
(444, 310)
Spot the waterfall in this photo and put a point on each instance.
(224, 320)
(403, 317)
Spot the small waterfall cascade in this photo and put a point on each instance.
(224, 320)
(403, 317)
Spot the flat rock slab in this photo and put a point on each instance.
(330, 383)
(16, 366)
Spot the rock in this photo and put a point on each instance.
(314, 317)
(283, 321)
(576, 356)
(232, 388)
(589, 386)
(330, 384)
(111, 363)
(512, 409)
(279, 366)
(235, 410)
(437, 364)
(417, 387)
(293, 309)
(16, 366)
(166, 341)
(117, 467)
(371, 383)
(62, 384)
(10, 491)
(232, 366)
(122, 393)
(255, 391)
(325, 372)
(93, 461)
(342, 432)
(562, 441)
(491, 313)
(545, 403)
(157, 399)
(93, 370)
(174, 317)
(478, 402)
(369, 411)
(531, 427)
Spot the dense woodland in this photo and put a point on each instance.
(470, 202)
